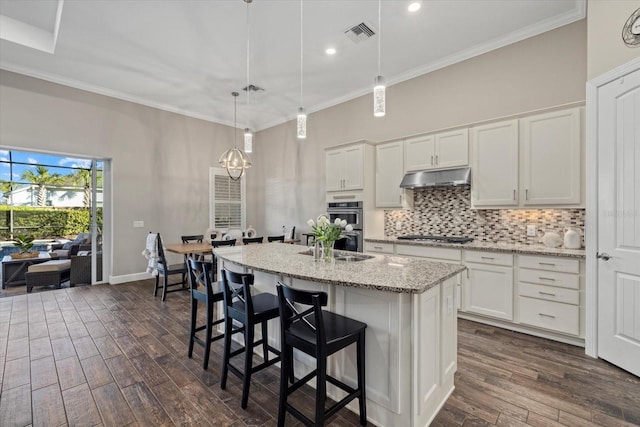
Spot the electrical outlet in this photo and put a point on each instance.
(399, 225)
(531, 230)
(138, 224)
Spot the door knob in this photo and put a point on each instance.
(603, 256)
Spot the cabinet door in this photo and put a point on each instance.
(419, 153)
(489, 291)
(551, 158)
(389, 173)
(333, 170)
(494, 164)
(353, 172)
(452, 149)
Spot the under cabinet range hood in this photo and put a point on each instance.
(443, 178)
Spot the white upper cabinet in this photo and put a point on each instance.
(531, 162)
(345, 168)
(494, 164)
(551, 158)
(452, 149)
(419, 153)
(389, 173)
(438, 151)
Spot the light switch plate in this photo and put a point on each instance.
(531, 230)
(399, 225)
(138, 224)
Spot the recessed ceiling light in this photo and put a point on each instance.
(414, 7)
(330, 51)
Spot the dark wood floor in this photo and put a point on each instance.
(114, 355)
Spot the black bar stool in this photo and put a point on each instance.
(275, 238)
(249, 310)
(217, 244)
(208, 292)
(165, 270)
(318, 333)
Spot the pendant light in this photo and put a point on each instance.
(234, 160)
(379, 107)
(302, 115)
(248, 135)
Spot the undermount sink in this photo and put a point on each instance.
(342, 256)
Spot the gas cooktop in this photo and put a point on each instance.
(444, 239)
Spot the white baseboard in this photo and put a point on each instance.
(116, 280)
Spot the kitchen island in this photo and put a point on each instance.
(408, 305)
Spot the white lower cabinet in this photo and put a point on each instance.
(489, 290)
(550, 294)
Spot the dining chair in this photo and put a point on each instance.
(165, 270)
(249, 310)
(196, 238)
(275, 238)
(252, 240)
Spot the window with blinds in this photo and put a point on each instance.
(227, 200)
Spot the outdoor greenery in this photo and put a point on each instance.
(46, 223)
(43, 179)
(24, 243)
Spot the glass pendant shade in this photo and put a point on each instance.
(235, 162)
(248, 141)
(379, 108)
(302, 123)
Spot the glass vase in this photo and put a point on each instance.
(327, 251)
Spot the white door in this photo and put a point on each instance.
(354, 168)
(619, 222)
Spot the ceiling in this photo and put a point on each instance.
(188, 56)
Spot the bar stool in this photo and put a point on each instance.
(318, 333)
(249, 310)
(275, 238)
(217, 244)
(203, 290)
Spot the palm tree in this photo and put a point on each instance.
(82, 177)
(43, 179)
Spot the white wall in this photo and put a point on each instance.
(605, 46)
(286, 185)
(160, 160)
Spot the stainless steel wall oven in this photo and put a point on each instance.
(351, 212)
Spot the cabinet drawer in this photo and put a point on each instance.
(549, 293)
(550, 263)
(386, 248)
(494, 258)
(556, 316)
(549, 278)
(429, 252)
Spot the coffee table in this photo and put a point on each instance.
(13, 269)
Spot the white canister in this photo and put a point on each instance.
(572, 238)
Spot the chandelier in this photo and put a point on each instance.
(234, 160)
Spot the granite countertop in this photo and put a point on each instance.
(489, 246)
(382, 272)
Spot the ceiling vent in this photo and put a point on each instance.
(252, 88)
(361, 32)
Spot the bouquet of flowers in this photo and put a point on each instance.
(325, 231)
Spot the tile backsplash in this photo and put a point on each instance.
(447, 211)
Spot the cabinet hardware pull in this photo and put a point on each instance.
(546, 263)
(350, 196)
(467, 273)
(400, 199)
(436, 159)
(487, 257)
(526, 194)
(547, 278)
(547, 293)
(431, 160)
(377, 247)
(514, 194)
(546, 315)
